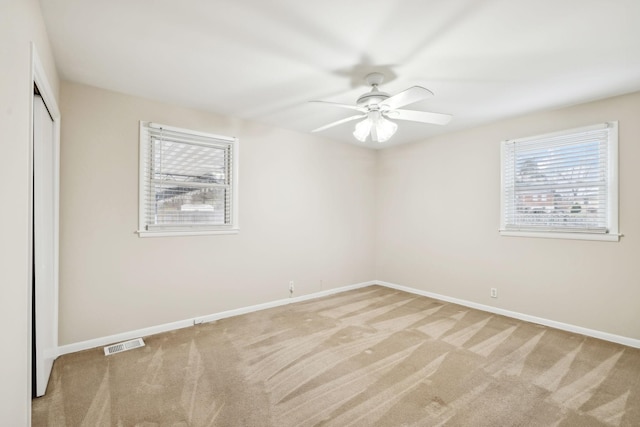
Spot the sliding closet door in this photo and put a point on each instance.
(43, 244)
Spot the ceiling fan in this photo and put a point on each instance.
(376, 108)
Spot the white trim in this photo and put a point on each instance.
(630, 342)
(235, 212)
(606, 237)
(124, 336)
(193, 132)
(164, 233)
(589, 128)
(614, 173)
(503, 199)
(613, 234)
(204, 230)
(142, 183)
(40, 79)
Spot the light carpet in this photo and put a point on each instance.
(368, 357)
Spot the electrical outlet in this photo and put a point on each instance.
(494, 292)
(291, 287)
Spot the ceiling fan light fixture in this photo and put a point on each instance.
(385, 129)
(380, 128)
(362, 129)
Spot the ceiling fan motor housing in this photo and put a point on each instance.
(374, 97)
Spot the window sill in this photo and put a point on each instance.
(177, 233)
(606, 237)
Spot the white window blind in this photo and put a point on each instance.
(188, 181)
(564, 182)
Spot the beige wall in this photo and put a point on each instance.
(20, 24)
(438, 216)
(430, 210)
(306, 208)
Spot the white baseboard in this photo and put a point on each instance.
(125, 336)
(103, 341)
(630, 342)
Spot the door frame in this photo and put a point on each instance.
(39, 78)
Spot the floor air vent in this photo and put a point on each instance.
(123, 346)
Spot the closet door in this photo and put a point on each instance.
(43, 244)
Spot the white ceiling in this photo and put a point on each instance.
(265, 59)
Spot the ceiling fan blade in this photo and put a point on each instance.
(406, 97)
(336, 104)
(420, 116)
(339, 122)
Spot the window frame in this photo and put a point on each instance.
(143, 185)
(612, 233)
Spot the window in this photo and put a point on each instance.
(188, 182)
(562, 185)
